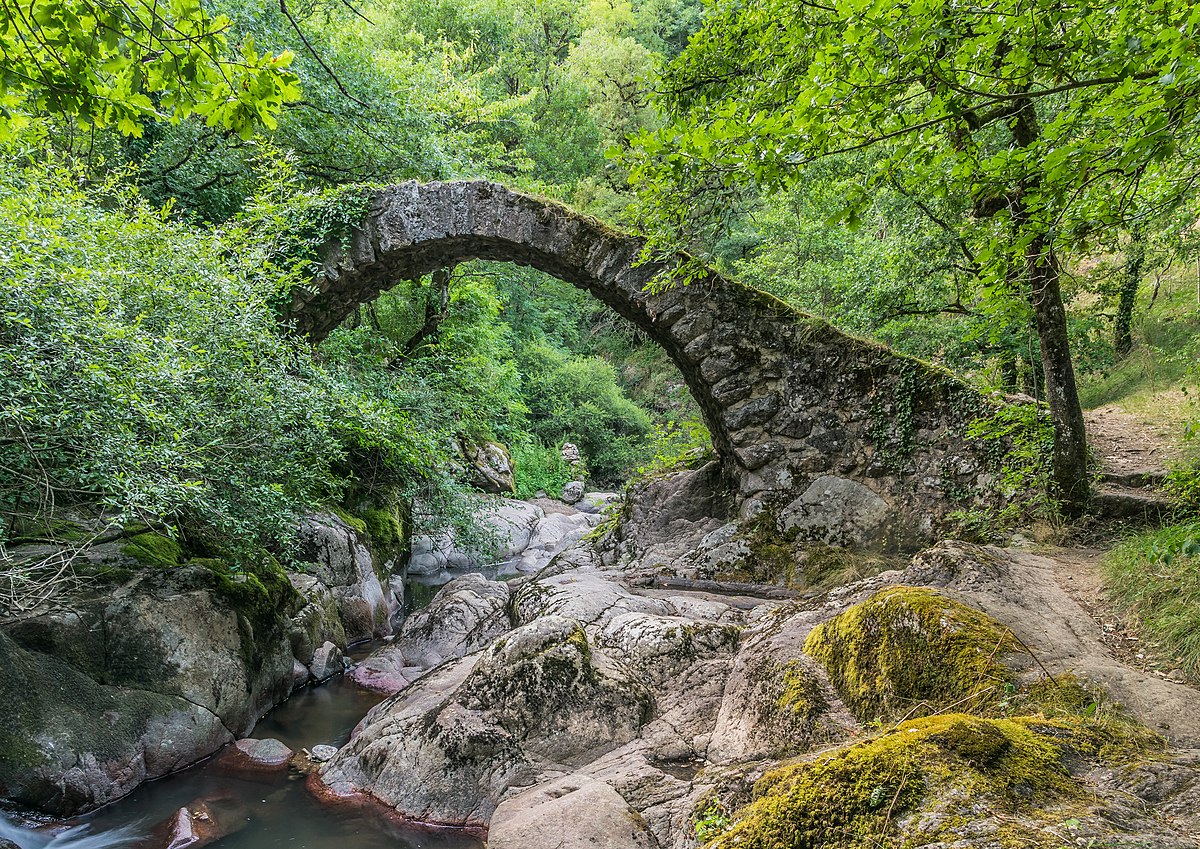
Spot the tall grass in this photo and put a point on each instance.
(1155, 576)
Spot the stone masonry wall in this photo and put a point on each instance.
(841, 439)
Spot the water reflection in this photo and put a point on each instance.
(264, 813)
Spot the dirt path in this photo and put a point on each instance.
(1132, 452)
(1079, 575)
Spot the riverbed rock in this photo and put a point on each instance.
(326, 662)
(738, 686)
(597, 502)
(174, 667)
(572, 492)
(321, 752)
(552, 535)
(345, 565)
(575, 812)
(448, 747)
(466, 615)
(191, 827)
(488, 467)
(158, 673)
(252, 758)
(509, 522)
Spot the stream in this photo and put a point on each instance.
(278, 813)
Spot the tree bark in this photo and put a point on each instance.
(1070, 485)
(436, 310)
(1131, 279)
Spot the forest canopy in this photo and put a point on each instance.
(1008, 190)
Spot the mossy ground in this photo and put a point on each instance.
(854, 797)
(952, 765)
(909, 651)
(974, 748)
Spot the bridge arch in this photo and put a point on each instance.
(841, 439)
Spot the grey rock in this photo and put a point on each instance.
(488, 467)
(465, 616)
(839, 511)
(597, 502)
(345, 566)
(326, 662)
(322, 753)
(572, 492)
(575, 812)
(448, 747)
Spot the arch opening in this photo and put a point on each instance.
(839, 439)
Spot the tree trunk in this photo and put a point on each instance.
(1131, 278)
(437, 307)
(1069, 486)
(1070, 483)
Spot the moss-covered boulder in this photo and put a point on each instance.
(948, 780)
(909, 651)
(69, 742)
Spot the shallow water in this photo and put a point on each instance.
(276, 815)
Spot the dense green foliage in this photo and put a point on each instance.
(170, 171)
(120, 64)
(146, 378)
(144, 373)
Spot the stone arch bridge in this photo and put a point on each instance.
(840, 439)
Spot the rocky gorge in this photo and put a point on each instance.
(658, 682)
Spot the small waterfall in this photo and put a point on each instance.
(75, 837)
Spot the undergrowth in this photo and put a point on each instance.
(1155, 576)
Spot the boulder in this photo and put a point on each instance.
(147, 678)
(447, 748)
(465, 616)
(596, 502)
(345, 565)
(553, 534)
(326, 662)
(252, 758)
(572, 492)
(321, 752)
(838, 511)
(191, 827)
(575, 812)
(510, 523)
(170, 664)
(488, 467)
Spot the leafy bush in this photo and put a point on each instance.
(577, 399)
(143, 372)
(538, 467)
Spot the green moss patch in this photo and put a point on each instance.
(855, 797)
(909, 651)
(801, 697)
(154, 549)
(354, 522)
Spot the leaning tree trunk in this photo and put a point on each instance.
(1070, 483)
(1131, 278)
